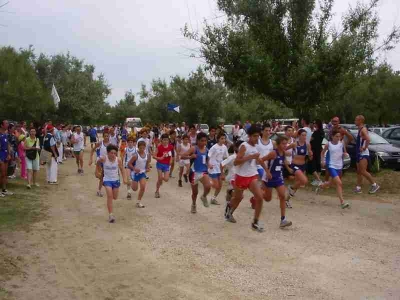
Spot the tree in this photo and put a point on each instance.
(287, 51)
(22, 96)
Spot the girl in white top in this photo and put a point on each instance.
(247, 177)
(139, 164)
(265, 145)
(335, 151)
(184, 163)
(101, 151)
(130, 151)
(216, 155)
(112, 167)
(78, 142)
(230, 166)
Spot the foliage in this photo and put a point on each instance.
(22, 95)
(287, 50)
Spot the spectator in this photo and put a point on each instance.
(235, 132)
(13, 141)
(49, 145)
(5, 157)
(21, 155)
(247, 125)
(316, 147)
(60, 148)
(32, 148)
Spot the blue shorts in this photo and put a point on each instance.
(163, 167)
(361, 157)
(274, 184)
(215, 176)
(112, 184)
(334, 172)
(3, 156)
(296, 168)
(261, 172)
(138, 176)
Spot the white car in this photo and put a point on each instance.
(204, 128)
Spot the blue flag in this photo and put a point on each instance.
(173, 107)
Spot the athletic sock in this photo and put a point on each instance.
(374, 184)
(282, 218)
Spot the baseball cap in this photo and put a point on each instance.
(50, 127)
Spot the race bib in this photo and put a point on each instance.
(204, 159)
(278, 168)
(169, 153)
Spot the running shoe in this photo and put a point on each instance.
(186, 178)
(28, 186)
(214, 201)
(318, 188)
(291, 191)
(139, 205)
(1, 195)
(180, 183)
(129, 196)
(285, 223)
(193, 210)
(99, 194)
(345, 205)
(229, 216)
(53, 182)
(289, 204)
(7, 193)
(111, 219)
(357, 190)
(36, 184)
(374, 189)
(79, 171)
(82, 172)
(257, 227)
(315, 182)
(205, 201)
(253, 202)
(157, 195)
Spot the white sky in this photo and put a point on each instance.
(130, 41)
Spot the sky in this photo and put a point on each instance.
(132, 42)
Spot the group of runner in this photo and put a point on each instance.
(258, 164)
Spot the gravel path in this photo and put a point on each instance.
(164, 252)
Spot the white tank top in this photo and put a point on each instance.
(111, 171)
(80, 142)
(289, 153)
(114, 140)
(103, 149)
(248, 168)
(141, 163)
(128, 154)
(184, 149)
(193, 140)
(264, 149)
(335, 156)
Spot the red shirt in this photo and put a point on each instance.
(166, 153)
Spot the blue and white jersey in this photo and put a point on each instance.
(300, 150)
(361, 143)
(129, 152)
(334, 157)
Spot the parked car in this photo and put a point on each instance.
(378, 130)
(379, 148)
(349, 126)
(392, 135)
(204, 128)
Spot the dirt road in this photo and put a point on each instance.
(165, 252)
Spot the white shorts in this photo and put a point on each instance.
(184, 162)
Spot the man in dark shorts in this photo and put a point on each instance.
(5, 150)
(92, 136)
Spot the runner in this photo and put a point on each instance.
(130, 151)
(101, 151)
(247, 178)
(362, 153)
(78, 144)
(112, 167)
(229, 165)
(198, 173)
(192, 135)
(289, 132)
(163, 156)
(172, 142)
(139, 164)
(184, 163)
(265, 145)
(92, 136)
(212, 139)
(124, 142)
(216, 155)
(334, 162)
(274, 179)
(114, 140)
(298, 166)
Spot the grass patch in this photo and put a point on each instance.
(21, 209)
(4, 294)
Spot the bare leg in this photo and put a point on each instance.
(282, 199)
(110, 197)
(363, 165)
(206, 184)
(195, 192)
(258, 195)
(142, 189)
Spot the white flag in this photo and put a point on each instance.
(55, 96)
(177, 109)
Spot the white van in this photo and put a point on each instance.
(133, 123)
